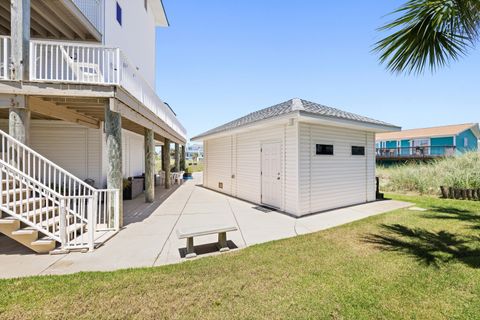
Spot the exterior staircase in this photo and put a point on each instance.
(45, 208)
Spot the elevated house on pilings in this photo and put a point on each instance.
(78, 114)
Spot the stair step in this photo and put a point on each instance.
(43, 245)
(39, 212)
(28, 203)
(16, 194)
(8, 220)
(25, 231)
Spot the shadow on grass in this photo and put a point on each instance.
(449, 213)
(430, 248)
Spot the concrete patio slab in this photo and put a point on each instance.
(149, 237)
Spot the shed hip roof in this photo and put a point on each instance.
(443, 131)
(291, 106)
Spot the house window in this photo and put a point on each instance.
(358, 151)
(119, 14)
(324, 149)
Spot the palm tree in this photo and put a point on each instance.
(428, 34)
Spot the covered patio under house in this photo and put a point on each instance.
(76, 119)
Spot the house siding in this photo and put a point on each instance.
(439, 144)
(328, 182)
(235, 161)
(472, 142)
(75, 148)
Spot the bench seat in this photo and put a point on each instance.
(190, 233)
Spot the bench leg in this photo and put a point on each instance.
(222, 242)
(190, 249)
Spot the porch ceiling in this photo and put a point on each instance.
(54, 19)
(88, 112)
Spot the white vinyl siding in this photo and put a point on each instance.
(311, 183)
(332, 181)
(75, 148)
(219, 164)
(235, 161)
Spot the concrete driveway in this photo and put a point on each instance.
(149, 238)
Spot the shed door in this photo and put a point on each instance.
(271, 174)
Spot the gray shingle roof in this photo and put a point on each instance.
(291, 106)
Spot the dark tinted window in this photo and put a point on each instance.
(358, 151)
(119, 14)
(325, 149)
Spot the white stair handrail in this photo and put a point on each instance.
(29, 184)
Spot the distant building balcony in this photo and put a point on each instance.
(421, 152)
(82, 63)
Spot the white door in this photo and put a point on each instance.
(271, 174)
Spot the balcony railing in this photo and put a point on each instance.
(416, 152)
(93, 11)
(68, 62)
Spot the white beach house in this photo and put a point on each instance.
(77, 103)
(298, 156)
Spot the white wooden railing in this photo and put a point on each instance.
(69, 62)
(81, 210)
(5, 53)
(93, 11)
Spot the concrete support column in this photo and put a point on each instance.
(182, 158)
(20, 38)
(177, 157)
(113, 132)
(149, 166)
(19, 119)
(166, 162)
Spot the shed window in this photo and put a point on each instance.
(358, 151)
(119, 14)
(465, 142)
(325, 149)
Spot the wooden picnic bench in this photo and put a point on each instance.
(190, 233)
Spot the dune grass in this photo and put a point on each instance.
(400, 265)
(426, 178)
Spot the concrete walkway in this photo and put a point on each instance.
(149, 237)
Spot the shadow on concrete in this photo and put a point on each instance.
(428, 247)
(206, 248)
(137, 210)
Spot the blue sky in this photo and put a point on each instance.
(220, 60)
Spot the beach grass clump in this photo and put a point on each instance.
(462, 172)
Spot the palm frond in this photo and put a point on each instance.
(429, 34)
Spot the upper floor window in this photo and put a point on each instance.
(119, 14)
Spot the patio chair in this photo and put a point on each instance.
(83, 71)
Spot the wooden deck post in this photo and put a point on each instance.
(113, 132)
(166, 163)
(177, 157)
(182, 158)
(149, 166)
(20, 38)
(19, 119)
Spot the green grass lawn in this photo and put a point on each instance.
(404, 264)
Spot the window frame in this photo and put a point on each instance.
(119, 14)
(358, 155)
(332, 145)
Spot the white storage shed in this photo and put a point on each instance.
(298, 156)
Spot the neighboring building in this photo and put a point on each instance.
(192, 150)
(77, 81)
(297, 156)
(428, 143)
